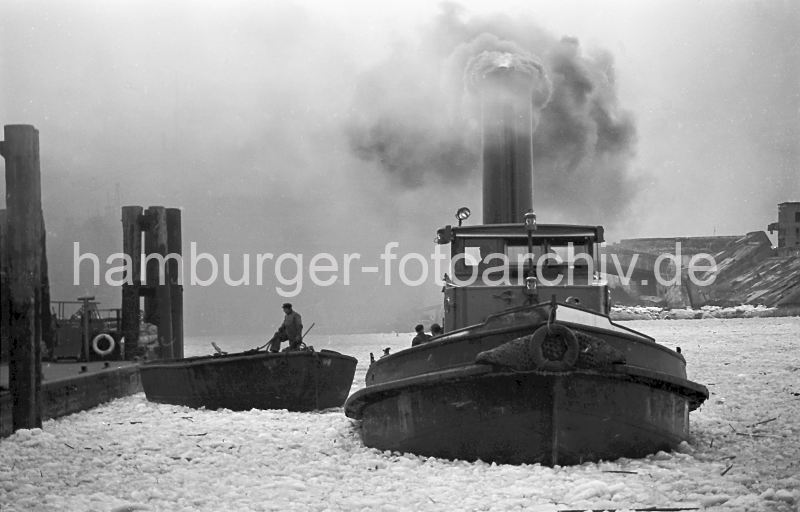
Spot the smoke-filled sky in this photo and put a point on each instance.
(341, 126)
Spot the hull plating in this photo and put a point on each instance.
(447, 399)
(530, 417)
(297, 381)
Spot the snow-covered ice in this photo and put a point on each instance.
(657, 313)
(744, 452)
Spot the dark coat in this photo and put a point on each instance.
(420, 339)
(293, 326)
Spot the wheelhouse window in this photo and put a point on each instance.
(572, 254)
(509, 259)
(551, 252)
(519, 253)
(472, 256)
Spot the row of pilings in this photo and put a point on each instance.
(161, 289)
(25, 315)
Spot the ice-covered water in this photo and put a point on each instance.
(744, 453)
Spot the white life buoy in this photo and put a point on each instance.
(96, 344)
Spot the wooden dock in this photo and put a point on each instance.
(67, 389)
(32, 389)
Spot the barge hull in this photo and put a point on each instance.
(529, 417)
(297, 381)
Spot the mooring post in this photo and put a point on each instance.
(46, 317)
(85, 325)
(4, 292)
(132, 247)
(174, 246)
(24, 216)
(157, 305)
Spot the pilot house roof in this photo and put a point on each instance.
(520, 231)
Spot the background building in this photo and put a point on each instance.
(788, 228)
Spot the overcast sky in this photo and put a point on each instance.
(259, 119)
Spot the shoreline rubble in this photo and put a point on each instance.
(625, 313)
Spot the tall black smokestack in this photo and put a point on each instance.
(512, 89)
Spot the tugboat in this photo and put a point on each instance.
(530, 368)
(88, 333)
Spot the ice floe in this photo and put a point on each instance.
(130, 454)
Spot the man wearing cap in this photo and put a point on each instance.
(291, 330)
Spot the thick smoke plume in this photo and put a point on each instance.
(417, 120)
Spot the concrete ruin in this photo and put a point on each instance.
(749, 270)
(788, 228)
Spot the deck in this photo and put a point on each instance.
(67, 389)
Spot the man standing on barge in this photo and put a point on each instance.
(291, 330)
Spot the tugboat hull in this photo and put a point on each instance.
(525, 417)
(297, 381)
(548, 383)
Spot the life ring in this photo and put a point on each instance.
(96, 344)
(545, 333)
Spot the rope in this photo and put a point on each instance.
(551, 318)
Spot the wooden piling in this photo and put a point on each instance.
(45, 315)
(85, 329)
(4, 291)
(24, 223)
(131, 246)
(174, 246)
(158, 305)
(150, 278)
(165, 340)
(163, 303)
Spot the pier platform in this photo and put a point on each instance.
(67, 389)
